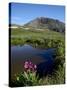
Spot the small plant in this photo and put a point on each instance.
(28, 77)
(30, 67)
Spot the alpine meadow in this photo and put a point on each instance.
(37, 44)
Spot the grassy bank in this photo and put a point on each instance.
(41, 39)
(36, 38)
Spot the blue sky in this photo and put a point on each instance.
(22, 13)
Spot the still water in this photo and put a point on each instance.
(43, 58)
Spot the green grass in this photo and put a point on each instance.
(25, 79)
(58, 77)
(43, 39)
(36, 34)
(35, 37)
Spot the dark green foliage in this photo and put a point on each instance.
(26, 79)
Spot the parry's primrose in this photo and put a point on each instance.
(28, 65)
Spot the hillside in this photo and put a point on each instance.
(46, 23)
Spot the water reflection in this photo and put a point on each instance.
(43, 59)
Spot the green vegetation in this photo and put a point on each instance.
(30, 78)
(41, 39)
(26, 79)
(58, 77)
(36, 38)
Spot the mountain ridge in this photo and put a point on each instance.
(46, 23)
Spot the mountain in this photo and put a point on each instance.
(14, 25)
(46, 23)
